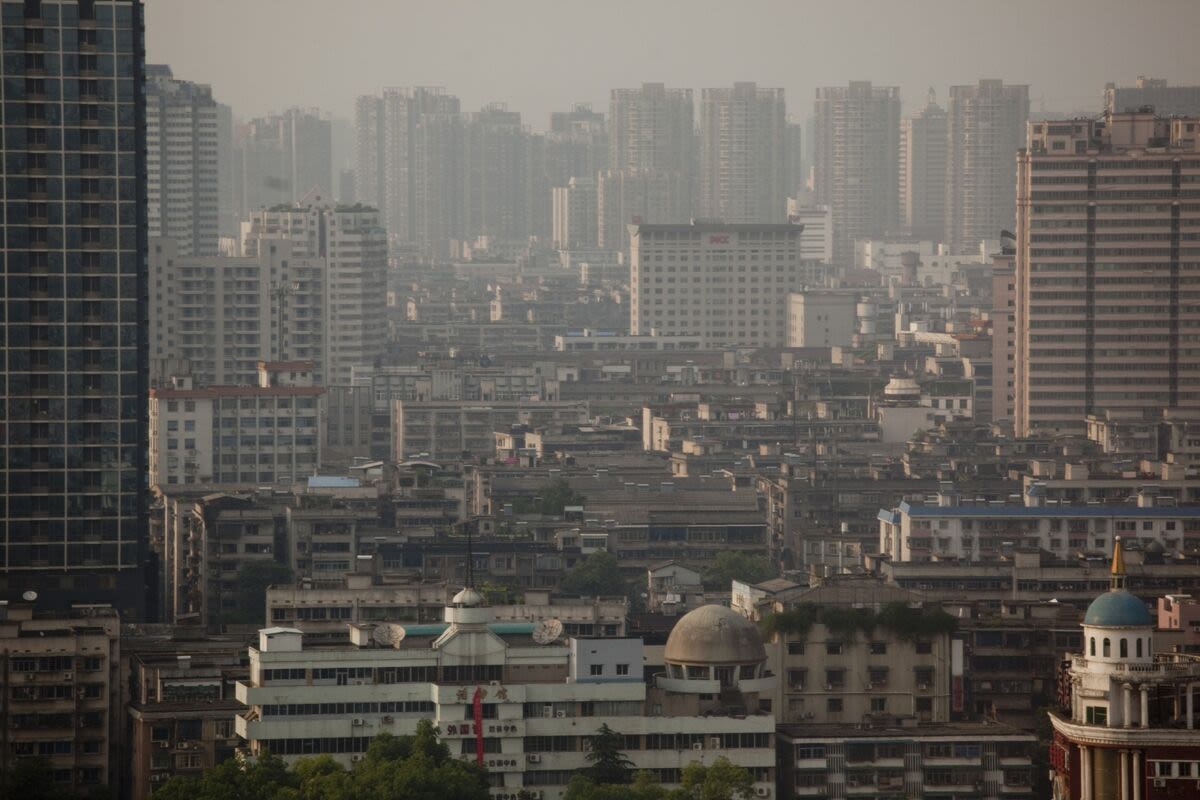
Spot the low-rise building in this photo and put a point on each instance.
(445, 430)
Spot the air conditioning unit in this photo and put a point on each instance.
(358, 722)
(164, 745)
(923, 686)
(697, 746)
(762, 791)
(29, 676)
(1160, 782)
(547, 711)
(829, 687)
(534, 758)
(560, 714)
(356, 758)
(493, 683)
(68, 676)
(388, 720)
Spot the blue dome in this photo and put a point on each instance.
(1118, 609)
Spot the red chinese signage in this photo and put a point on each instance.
(719, 238)
(477, 702)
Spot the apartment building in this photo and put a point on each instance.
(281, 158)
(923, 171)
(856, 161)
(446, 430)
(576, 215)
(985, 129)
(1104, 264)
(728, 284)
(537, 695)
(62, 688)
(269, 433)
(188, 140)
(744, 155)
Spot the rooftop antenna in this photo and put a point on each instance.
(470, 559)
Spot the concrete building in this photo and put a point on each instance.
(445, 430)
(1102, 323)
(856, 161)
(1167, 101)
(62, 693)
(822, 318)
(284, 157)
(651, 128)
(1004, 335)
(75, 341)
(187, 140)
(576, 215)
(923, 171)
(743, 154)
(496, 175)
(633, 196)
(977, 531)
(728, 284)
(1126, 724)
(985, 129)
(261, 434)
(816, 238)
(351, 246)
(538, 696)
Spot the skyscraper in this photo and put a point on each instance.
(1105, 317)
(495, 174)
(923, 172)
(283, 157)
(575, 214)
(985, 129)
(73, 416)
(184, 165)
(743, 154)
(856, 159)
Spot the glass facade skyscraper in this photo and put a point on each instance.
(73, 380)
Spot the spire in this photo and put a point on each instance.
(1118, 566)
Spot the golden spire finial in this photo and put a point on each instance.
(1118, 565)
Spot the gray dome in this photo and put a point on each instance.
(714, 635)
(467, 597)
(1118, 609)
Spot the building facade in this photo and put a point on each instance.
(1105, 309)
(728, 284)
(923, 171)
(1167, 101)
(74, 227)
(985, 129)
(576, 215)
(743, 154)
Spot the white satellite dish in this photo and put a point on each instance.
(547, 631)
(388, 635)
(29, 596)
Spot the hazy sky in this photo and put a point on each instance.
(542, 55)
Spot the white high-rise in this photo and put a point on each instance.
(575, 215)
(184, 161)
(923, 172)
(743, 154)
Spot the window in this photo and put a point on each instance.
(1139, 647)
(622, 669)
(878, 648)
(597, 669)
(795, 648)
(1124, 647)
(1092, 647)
(1096, 715)
(833, 705)
(833, 648)
(924, 648)
(878, 705)
(1107, 648)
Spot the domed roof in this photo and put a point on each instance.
(714, 635)
(1118, 609)
(467, 597)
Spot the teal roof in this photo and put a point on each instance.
(1118, 609)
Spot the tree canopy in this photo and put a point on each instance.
(552, 499)
(33, 779)
(598, 574)
(608, 763)
(721, 780)
(417, 767)
(733, 565)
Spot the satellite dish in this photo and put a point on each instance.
(388, 635)
(547, 631)
(29, 596)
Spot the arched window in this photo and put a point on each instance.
(1092, 652)
(1139, 647)
(1107, 648)
(1124, 647)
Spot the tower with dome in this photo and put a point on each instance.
(1127, 729)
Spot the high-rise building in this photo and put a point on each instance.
(575, 215)
(743, 154)
(794, 180)
(283, 157)
(575, 146)
(1105, 312)
(496, 175)
(183, 161)
(73, 416)
(1167, 101)
(816, 235)
(369, 155)
(627, 197)
(985, 127)
(856, 161)
(923, 172)
(351, 245)
(728, 284)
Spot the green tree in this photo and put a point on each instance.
(597, 574)
(609, 764)
(253, 579)
(733, 565)
(31, 779)
(557, 495)
(721, 780)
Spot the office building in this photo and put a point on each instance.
(351, 246)
(267, 433)
(923, 172)
(856, 161)
(186, 155)
(539, 695)
(1126, 723)
(1167, 101)
(727, 284)
(1104, 312)
(576, 215)
(743, 162)
(985, 127)
(282, 158)
(816, 235)
(74, 233)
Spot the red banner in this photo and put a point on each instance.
(477, 702)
